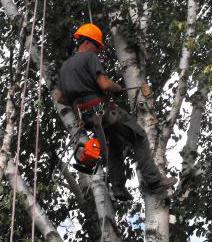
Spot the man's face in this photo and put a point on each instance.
(90, 46)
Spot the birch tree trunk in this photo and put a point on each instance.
(86, 204)
(156, 210)
(105, 211)
(183, 70)
(104, 207)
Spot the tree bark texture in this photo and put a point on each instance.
(104, 207)
(103, 203)
(8, 134)
(10, 9)
(156, 210)
(86, 205)
(189, 153)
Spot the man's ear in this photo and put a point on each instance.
(86, 42)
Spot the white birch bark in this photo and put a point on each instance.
(8, 134)
(141, 21)
(189, 152)
(181, 89)
(10, 8)
(155, 208)
(183, 67)
(41, 220)
(128, 61)
(103, 203)
(104, 207)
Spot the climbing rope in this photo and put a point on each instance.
(89, 11)
(38, 119)
(22, 108)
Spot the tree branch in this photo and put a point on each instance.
(189, 152)
(183, 67)
(140, 21)
(41, 220)
(10, 108)
(73, 186)
(9, 132)
(10, 9)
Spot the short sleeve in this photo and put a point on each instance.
(95, 66)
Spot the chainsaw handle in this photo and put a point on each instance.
(75, 151)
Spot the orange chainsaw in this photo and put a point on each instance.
(87, 155)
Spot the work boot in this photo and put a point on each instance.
(161, 186)
(121, 193)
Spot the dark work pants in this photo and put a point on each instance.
(121, 129)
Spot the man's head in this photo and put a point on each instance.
(86, 44)
(90, 38)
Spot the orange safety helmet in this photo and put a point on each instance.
(91, 31)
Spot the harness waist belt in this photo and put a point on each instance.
(83, 106)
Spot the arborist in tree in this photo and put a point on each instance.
(86, 87)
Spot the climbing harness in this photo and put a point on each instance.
(23, 94)
(88, 151)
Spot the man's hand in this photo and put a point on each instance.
(107, 85)
(59, 97)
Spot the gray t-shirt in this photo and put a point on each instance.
(78, 76)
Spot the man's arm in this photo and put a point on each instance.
(105, 84)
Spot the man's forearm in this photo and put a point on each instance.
(108, 85)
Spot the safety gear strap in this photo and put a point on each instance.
(88, 104)
(99, 132)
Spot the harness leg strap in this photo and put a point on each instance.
(99, 131)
